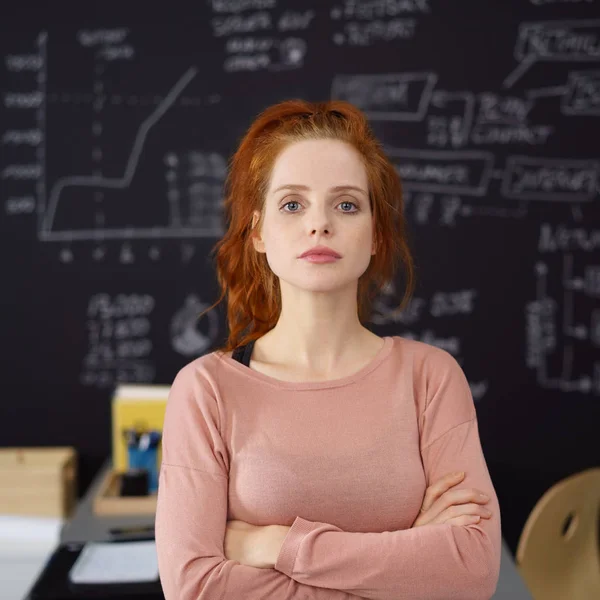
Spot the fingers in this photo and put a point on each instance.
(439, 495)
(464, 520)
(443, 504)
(453, 497)
(461, 510)
(433, 493)
(435, 490)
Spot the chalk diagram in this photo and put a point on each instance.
(555, 41)
(458, 119)
(458, 122)
(554, 336)
(186, 337)
(73, 207)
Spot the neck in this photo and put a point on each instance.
(317, 332)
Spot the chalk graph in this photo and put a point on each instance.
(200, 217)
(115, 183)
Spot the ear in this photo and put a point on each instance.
(255, 235)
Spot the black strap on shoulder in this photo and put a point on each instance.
(243, 353)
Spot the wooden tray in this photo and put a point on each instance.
(108, 501)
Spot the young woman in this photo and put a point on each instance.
(309, 458)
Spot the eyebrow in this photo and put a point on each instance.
(305, 188)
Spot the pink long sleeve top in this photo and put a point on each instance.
(344, 462)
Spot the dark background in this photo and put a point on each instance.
(116, 131)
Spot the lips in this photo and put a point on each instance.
(320, 251)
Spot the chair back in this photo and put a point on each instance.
(558, 554)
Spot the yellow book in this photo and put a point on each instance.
(138, 407)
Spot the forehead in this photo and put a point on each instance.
(319, 164)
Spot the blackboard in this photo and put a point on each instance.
(116, 132)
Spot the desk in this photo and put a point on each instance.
(85, 525)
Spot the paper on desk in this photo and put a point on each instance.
(29, 528)
(116, 562)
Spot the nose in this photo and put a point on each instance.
(324, 231)
(319, 222)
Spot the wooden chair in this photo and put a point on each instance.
(558, 554)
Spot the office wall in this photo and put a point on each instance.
(116, 132)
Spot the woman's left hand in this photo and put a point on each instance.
(254, 545)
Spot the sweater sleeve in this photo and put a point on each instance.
(191, 509)
(430, 562)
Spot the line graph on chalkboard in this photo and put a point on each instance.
(90, 182)
(120, 182)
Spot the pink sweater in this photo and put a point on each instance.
(344, 462)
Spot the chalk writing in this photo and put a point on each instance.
(550, 179)
(460, 172)
(577, 40)
(583, 94)
(554, 238)
(119, 344)
(389, 97)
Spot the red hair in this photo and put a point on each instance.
(252, 289)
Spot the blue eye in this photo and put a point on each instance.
(348, 202)
(344, 211)
(291, 202)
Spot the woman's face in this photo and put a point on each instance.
(317, 214)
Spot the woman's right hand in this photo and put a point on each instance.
(456, 507)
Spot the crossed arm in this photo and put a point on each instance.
(254, 545)
(314, 560)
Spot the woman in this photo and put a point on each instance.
(310, 458)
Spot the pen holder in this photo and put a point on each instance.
(144, 460)
(142, 453)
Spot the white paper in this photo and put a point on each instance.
(29, 529)
(116, 562)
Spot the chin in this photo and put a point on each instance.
(316, 287)
(322, 282)
(320, 278)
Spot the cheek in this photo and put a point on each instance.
(279, 240)
(362, 236)
(280, 249)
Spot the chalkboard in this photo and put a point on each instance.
(116, 133)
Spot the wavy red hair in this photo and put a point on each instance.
(243, 274)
